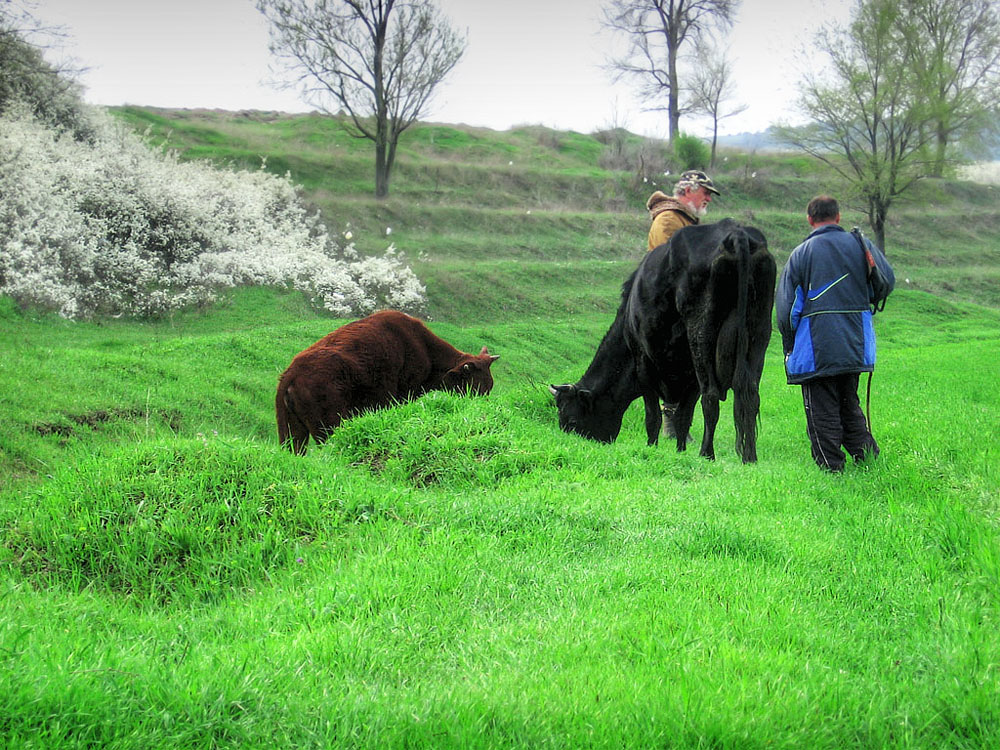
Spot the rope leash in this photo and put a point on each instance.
(868, 403)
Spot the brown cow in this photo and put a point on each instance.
(369, 364)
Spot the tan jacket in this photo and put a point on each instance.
(668, 215)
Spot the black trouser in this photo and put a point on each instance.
(834, 418)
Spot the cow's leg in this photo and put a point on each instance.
(300, 436)
(297, 429)
(702, 334)
(654, 418)
(684, 416)
(746, 401)
(703, 357)
(710, 412)
(726, 353)
(746, 377)
(746, 406)
(646, 373)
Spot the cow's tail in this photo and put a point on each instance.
(746, 404)
(742, 250)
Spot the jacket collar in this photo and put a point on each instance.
(825, 229)
(658, 203)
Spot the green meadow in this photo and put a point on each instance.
(457, 572)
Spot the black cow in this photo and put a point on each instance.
(694, 320)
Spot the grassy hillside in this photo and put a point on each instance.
(477, 211)
(458, 572)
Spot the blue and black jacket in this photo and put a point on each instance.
(822, 306)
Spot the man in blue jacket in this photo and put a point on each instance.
(825, 320)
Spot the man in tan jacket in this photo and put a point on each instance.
(689, 204)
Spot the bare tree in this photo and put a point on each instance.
(377, 60)
(957, 59)
(50, 90)
(657, 30)
(711, 89)
(868, 118)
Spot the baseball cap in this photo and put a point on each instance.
(696, 178)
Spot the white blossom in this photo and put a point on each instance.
(116, 227)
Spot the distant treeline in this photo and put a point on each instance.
(765, 140)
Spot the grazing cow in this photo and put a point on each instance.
(694, 320)
(369, 364)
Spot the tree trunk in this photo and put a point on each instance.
(382, 145)
(878, 211)
(715, 140)
(673, 98)
(940, 151)
(675, 116)
(381, 109)
(381, 172)
(880, 236)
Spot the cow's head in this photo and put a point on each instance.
(472, 374)
(585, 415)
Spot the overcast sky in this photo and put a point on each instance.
(527, 61)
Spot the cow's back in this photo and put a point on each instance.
(369, 364)
(704, 285)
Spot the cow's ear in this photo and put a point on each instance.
(586, 397)
(493, 357)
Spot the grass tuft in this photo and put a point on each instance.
(188, 520)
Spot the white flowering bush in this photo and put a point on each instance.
(114, 227)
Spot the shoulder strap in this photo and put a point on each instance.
(869, 259)
(869, 264)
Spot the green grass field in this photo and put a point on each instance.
(457, 572)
